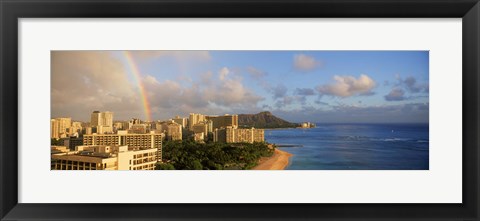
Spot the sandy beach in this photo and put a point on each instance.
(278, 161)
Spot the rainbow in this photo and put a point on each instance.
(138, 78)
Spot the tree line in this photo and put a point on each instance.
(190, 155)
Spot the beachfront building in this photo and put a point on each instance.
(103, 157)
(236, 135)
(150, 140)
(307, 125)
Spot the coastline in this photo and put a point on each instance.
(278, 161)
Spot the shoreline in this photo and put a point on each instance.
(278, 161)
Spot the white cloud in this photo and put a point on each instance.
(222, 74)
(302, 62)
(84, 81)
(207, 95)
(346, 86)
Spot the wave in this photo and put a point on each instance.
(395, 139)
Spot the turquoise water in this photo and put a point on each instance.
(355, 146)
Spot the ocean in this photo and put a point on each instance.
(355, 146)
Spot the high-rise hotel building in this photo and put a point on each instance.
(235, 135)
(59, 127)
(195, 119)
(103, 121)
(150, 140)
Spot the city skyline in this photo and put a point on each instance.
(316, 86)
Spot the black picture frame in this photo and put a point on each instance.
(12, 10)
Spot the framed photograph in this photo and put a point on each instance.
(315, 110)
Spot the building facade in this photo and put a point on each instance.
(201, 127)
(72, 142)
(235, 135)
(138, 129)
(102, 157)
(181, 120)
(199, 137)
(150, 140)
(195, 119)
(76, 128)
(172, 130)
(103, 121)
(59, 127)
(224, 121)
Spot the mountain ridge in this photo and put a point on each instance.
(263, 120)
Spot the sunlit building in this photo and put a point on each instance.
(88, 130)
(105, 157)
(195, 119)
(138, 129)
(75, 128)
(59, 127)
(120, 125)
(104, 129)
(173, 130)
(150, 140)
(199, 137)
(307, 125)
(235, 135)
(103, 121)
(133, 121)
(181, 120)
(54, 129)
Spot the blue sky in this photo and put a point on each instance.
(318, 86)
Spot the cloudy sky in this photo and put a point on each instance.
(317, 86)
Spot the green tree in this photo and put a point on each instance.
(164, 166)
(197, 165)
(189, 155)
